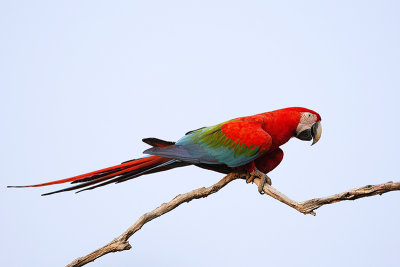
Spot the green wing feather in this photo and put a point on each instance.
(233, 143)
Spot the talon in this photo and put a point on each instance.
(261, 189)
(264, 180)
(263, 177)
(253, 175)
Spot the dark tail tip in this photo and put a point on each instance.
(48, 194)
(157, 142)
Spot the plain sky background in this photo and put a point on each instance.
(82, 82)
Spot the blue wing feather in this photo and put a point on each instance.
(209, 145)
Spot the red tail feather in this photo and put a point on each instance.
(119, 173)
(109, 170)
(137, 166)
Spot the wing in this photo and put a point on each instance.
(233, 143)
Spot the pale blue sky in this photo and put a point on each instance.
(82, 82)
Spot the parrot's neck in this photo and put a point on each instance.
(281, 125)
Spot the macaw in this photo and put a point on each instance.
(250, 144)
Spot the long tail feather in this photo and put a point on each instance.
(120, 173)
(170, 164)
(136, 169)
(90, 175)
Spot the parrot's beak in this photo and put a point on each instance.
(307, 133)
(316, 131)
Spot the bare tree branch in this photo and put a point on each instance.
(121, 242)
(306, 207)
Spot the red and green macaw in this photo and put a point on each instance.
(249, 144)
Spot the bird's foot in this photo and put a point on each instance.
(264, 180)
(262, 176)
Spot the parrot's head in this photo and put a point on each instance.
(309, 126)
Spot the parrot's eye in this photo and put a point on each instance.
(307, 118)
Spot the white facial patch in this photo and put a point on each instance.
(308, 118)
(306, 121)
